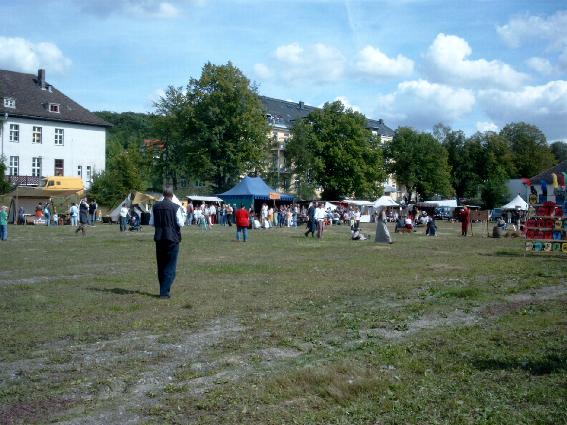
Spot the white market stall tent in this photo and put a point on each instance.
(385, 201)
(364, 206)
(198, 198)
(517, 203)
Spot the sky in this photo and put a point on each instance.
(474, 65)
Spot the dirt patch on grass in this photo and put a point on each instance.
(459, 318)
(33, 411)
(111, 394)
(456, 318)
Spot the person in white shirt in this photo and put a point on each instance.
(123, 217)
(212, 214)
(320, 218)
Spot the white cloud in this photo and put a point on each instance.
(446, 61)
(19, 54)
(422, 104)
(316, 64)
(529, 29)
(544, 106)
(373, 62)
(262, 71)
(541, 65)
(483, 126)
(519, 29)
(290, 53)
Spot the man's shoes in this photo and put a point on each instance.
(164, 297)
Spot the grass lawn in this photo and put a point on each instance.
(281, 330)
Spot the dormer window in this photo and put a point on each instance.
(54, 107)
(9, 102)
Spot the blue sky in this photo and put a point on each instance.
(473, 65)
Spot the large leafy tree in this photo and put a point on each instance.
(420, 163)
(529, 146)
(454, 143)
(494, 165)
(332, 149)
(215, 129)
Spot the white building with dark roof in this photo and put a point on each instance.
(45, 133)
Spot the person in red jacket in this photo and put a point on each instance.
(465, 220)
(242, 223)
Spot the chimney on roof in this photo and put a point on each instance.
(380, 121)
(41, 78)
(301, 104)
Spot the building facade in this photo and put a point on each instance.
(45, 133)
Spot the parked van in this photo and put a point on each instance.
(63, 183)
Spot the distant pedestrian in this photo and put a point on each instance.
(21, 215)
(47, 214)
(92, 212)
(320, 215)
(83, 217)
(3, 223)
(242, 223)
(167, 219)
(465, 220)
(382, 233)
(312, 222)
(190, 213)
(229, 213)
(74, 214)
(123, 217)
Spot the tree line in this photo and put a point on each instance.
(214, 130)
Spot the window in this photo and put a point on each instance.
(80, 170)
(36, 135)
(14, 133)
(59, 136)
(36, 166)
(9, 102)
(14, 165)
(54, 107)
(58, 167)
(88, 176)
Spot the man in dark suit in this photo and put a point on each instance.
(167, 219)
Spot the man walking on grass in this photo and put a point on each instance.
(167, 219)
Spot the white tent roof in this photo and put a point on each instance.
(331, 206)
(516, 204)
(450, 203)
(204, 198)
(385, 201)
(357, 202)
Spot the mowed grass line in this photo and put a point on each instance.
(362, 333)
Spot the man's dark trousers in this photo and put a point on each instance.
(166, 255)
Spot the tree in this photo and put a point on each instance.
(127, 170)
(420, 163)
(454, 143)
(529, 146)
(214, 130)
(5, 185)
(487, 164)
(559, 149)
(332, 149)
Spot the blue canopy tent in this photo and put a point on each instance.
(251, 190)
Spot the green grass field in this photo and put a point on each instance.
(281, 330)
